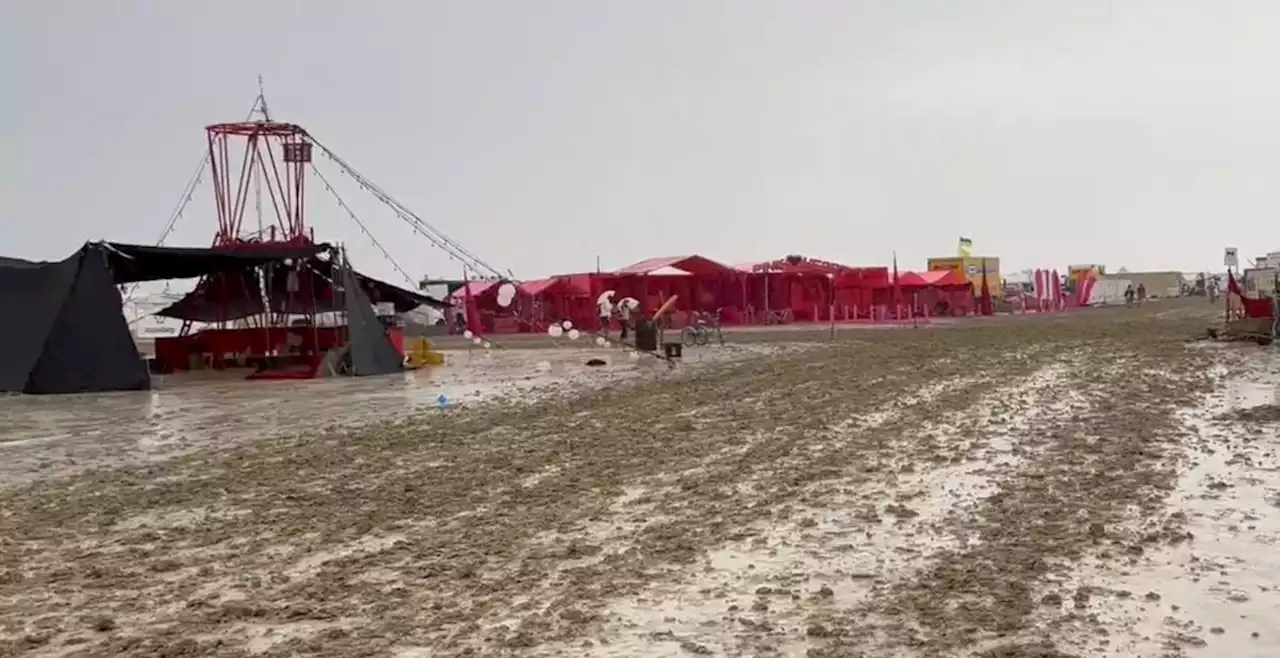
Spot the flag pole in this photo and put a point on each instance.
(831, 302)
(897, 289)
(1226, 299)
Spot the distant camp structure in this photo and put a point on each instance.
(270, 298)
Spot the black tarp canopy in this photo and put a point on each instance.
(64, 329)
(132, 263)
(300, 287)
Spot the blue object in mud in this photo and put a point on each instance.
(442, 400)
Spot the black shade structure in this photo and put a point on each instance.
(299, 287)
(64, 329)
(132, 263)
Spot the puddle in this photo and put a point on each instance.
(47, 436)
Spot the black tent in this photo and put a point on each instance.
(372, 352)
(63, 330)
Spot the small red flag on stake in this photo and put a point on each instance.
(986, 293)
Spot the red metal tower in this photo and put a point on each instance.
(252, 157)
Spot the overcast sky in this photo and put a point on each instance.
(1132, 133)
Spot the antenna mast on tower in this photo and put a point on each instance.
(260, 103)
(259, 109)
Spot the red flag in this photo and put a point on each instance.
(1254, 307)
(986, 293)
(1086, 290)
(473, 312)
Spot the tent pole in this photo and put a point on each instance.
(831, 303)
(263, 286)
(315, 331)
(766, 296)
(342, 257)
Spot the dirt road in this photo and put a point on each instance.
(1007, 489)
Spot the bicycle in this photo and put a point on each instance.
(704, 327)
(778, 317)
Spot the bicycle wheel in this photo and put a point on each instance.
(703, 336)
(689, 336)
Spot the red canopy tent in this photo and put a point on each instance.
(799, 287)
(938, 292)
(793, 287)
(479, 300)
(557, 298)
(701, 284)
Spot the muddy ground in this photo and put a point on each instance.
(1076, 485)
(52, 436)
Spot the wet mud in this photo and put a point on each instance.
(1047, 488)
(49, 436)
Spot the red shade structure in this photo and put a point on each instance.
(700, 284)
(558, 298)
(795, 288)
(674, 265)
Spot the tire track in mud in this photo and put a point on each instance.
(429, 534)
(684, 513)
(763, 592)
(1112, 461)
(1212, 594)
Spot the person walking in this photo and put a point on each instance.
(604, 308)
(624, 319)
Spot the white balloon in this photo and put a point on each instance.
(573, 334)
(600, 341)
(554, 331)
(506, 294)
(467, 334)
(487, 345)
(476, 340)
(568, 324)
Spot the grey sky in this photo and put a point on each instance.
(540, 134)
